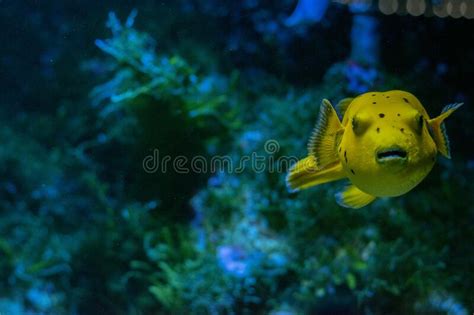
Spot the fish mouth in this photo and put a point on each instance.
(391, 154)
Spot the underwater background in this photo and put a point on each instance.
(100, 99)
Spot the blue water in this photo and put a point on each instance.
(145, 146)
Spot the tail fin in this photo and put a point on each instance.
(305, 174)
(438, 129)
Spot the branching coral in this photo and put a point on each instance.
(139, 71)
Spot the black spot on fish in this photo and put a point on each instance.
(374, 103)
(381, 115)
(406, 101)
(345, 156)
(378, 129)
(402, 129)
(398, 115)
(387, 96)
(373, 94)
(352, 171)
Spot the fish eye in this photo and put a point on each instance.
(359, 124)
(355, 123)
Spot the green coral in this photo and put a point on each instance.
(139, 72)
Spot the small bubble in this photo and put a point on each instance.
(388, 6)
(416, 7)
(467, 9)
(440, 10)
(454, 8)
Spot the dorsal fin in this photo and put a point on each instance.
(438, 130)
(342, 106)
(326, 136)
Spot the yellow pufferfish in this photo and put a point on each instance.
(385, 145)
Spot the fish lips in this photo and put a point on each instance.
(391, 155)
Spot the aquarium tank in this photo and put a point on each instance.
(150, 157)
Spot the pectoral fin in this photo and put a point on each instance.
(326, 136)
(353, 197)
(438, 130)
(305, 174)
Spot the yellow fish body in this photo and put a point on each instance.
(385, 145)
